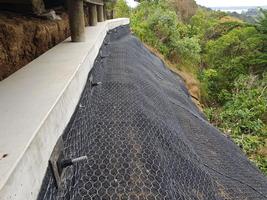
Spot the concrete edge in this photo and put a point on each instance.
(25, 177)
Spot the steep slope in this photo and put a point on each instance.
(145, 138)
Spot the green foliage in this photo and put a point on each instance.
(121, 9)
(222, 28)
(241, 116)
(233, 80)
(158, 25)
(110, 4)
(230, 58)
(261, 60)
(246, 106)
(261, 162)
(262, 24)
(202, 22)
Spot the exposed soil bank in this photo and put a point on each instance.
(23, 38)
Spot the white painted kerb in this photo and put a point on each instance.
(36, 104)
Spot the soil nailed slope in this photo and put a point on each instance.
(145, 138)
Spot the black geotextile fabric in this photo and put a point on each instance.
(144, 137)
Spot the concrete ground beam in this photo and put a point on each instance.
(100, 13)
(48, 89)
(76, 20)
(92, 15)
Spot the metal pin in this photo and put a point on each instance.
(106, 42)
(75, 160)
(103, 56)
(68, 162)
(96, 84)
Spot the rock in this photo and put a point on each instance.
(51, 15)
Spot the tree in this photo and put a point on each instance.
(261, 60)
(157, 24)
(121, 9)
(230, 56)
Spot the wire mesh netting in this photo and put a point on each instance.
(144, 137)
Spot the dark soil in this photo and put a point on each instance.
(23, 38)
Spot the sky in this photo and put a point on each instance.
(230, 3)
(131, 3)
(218, 3)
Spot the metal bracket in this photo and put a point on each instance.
(106, 43)
(56, 156)
(92, 84)
(58, 163)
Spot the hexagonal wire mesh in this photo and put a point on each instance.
(144, 137)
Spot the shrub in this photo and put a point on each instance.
(230, 56)
(156, 24)
(242, 115)
(121, 9)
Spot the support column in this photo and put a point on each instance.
(100, 13)
(105, 12)
(92, 15)
(76, 20)
(112, 14)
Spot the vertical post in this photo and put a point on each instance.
(76, 20)
(105, 12)
(100, 13)
(92, 15)
(86, 14)
(112, 14)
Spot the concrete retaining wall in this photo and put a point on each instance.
(36, 104)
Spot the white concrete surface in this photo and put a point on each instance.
(36, 104)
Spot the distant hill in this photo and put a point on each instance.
(249, 16)
(238, 7)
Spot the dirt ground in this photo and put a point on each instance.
(23, 38)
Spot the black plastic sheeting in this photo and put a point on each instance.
(145, 138)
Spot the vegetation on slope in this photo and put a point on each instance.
(229, 58)
(157, 24)
(121, 9)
